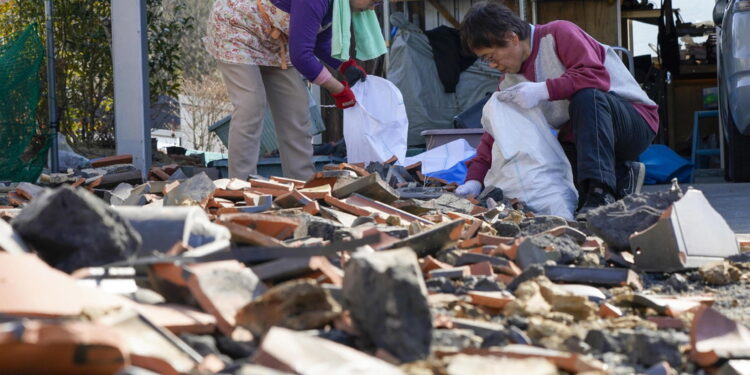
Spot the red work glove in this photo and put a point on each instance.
(345, 98)
(352, 72)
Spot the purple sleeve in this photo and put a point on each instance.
(304, 24)
(323, 49)
(583, 58)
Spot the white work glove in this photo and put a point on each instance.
(471, 187)
(526, 95)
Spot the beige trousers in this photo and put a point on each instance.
(250, 87)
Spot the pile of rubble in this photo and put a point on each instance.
(375, 270)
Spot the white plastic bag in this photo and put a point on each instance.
(375, 129)
(442, 157)
(528, 162)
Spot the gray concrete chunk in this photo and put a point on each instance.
(195, 190)
(386, 295)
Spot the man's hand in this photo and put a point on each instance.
(526, 95)
(471, 187)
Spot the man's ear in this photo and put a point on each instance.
(512, 38)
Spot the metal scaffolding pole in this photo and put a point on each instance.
(51, 87)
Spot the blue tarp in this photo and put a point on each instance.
(456, 173)
(663, 164)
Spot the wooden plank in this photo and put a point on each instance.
(598, 18)
(445, 13)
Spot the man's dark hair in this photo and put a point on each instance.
(487, 24)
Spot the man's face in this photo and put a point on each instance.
(506, 59)
(360, 5)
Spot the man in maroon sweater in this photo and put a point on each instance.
(605, 119)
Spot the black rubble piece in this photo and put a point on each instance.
(71, 229)
(615, 222)
(387, 297)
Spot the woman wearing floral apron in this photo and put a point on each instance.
(262, 46)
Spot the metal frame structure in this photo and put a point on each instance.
(130, 61)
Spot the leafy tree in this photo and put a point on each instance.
(83, 40)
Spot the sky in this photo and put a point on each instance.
(690, 10)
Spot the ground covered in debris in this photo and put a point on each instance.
(360, 270)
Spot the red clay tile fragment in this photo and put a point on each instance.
(571, 362)
(496, 300)
(66, 348)
(271, 185)
(245, 235)
(481, 269)
(295, 352)
(383, 210)
(223, 288)
(112, 160)
(29, 287)
(279, 227)
(78, 182)
(360, 171)
(318, 192)
(312, 208)
(28, 190)
(159, 173)
(472, 230)
(179, 319)
(713, 336)
(608, 310)
(235, 195)
(16, 199)
(292, 199)
(429, 263)
(673, 306)
(286, 181)
(666, 322)
(354, 210)
(297, 304)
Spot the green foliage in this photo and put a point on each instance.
(196, 62)
(84, 74)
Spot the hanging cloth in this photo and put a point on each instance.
(368, 36)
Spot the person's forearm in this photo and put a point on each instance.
(333, 86)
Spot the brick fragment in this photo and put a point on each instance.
(235, 195)
(312, 208)
(608, 310)
(112, 160)
(271, 185)
(62, 348)
(292, 199)
(346, 207)
(279, 227)
(29, 191)
(371, 186)
(287, 268)
(318, 192)
(243, 234)
(296, 304)
(222, 289)
(297, 184)
(296, 352)
(159, 174)
(496, 300)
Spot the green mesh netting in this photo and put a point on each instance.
(23, 149)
